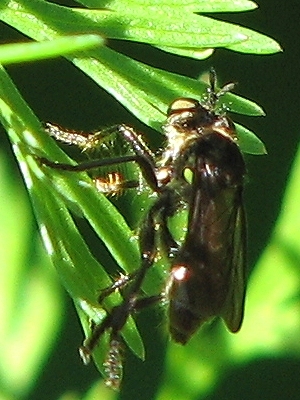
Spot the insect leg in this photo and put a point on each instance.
(119, 283)
(147, 246)
(114, 184)
(143, 155)
(169, 244)
(117, 318)
(93, 140)
(113, 363)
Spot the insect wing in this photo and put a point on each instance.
(207, 276)
(234, 309)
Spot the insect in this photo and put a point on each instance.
(201, 169)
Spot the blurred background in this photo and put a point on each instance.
(58, 92)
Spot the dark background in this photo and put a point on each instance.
(58, 92)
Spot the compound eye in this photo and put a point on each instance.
(182, 104)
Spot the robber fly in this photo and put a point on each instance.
(207, 270)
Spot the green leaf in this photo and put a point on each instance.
(272, 315)
(81, 274)
(144, 90)
(249, 142)
(186, 6)
(20, 52)
(193, 31)
(31, 302)
(198, 54)
(162, 24)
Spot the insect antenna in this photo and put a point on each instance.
(213, 94)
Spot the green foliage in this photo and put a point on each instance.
(16, 53)
(31, 301)
(146, 91)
